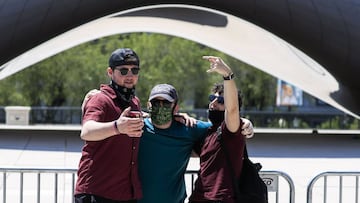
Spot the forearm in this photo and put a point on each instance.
(232, 117)
(95, 131)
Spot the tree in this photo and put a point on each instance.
(65, 78)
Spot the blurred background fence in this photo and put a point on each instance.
(327, 118)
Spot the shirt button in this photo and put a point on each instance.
(132, 163)
(134, 147)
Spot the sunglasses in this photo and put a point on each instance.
(124, 71)
(157, 103)
(220, 99)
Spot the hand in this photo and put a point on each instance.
(87, 97)
(133, 127)
(247, 128)
(185, 119)
(218, 65)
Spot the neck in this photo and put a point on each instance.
(124, 93)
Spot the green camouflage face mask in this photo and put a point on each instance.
(161, 115)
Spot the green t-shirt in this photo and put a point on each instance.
(163, 158)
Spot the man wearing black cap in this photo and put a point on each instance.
(108, 168)
(165, 148)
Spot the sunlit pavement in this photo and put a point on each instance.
(301, 156)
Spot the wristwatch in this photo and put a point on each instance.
(229, 77)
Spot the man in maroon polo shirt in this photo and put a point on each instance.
(214, 183)
(108, 168)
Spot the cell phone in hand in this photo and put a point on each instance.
(135, 114)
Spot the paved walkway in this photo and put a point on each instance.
(301, 156)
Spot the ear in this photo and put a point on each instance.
(148, 104)
(110, 71)
(176, 109)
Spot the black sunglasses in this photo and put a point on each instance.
(124, 71)
(220, 99)
(157, 102)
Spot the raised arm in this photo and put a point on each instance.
(232, 116)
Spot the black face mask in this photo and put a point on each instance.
(125, 94)
(216, 117)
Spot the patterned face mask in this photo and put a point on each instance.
(161, 114)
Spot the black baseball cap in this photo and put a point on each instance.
(165, 91)
(123, 56)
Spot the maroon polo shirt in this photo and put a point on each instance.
(109, 168)
(215, 179)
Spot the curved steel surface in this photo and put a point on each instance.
(328, 31)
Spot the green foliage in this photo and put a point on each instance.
(65, 78)
(258, 88)
(344, 122)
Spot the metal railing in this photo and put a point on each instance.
(37, 185)
(279, 184)
(47, 185)
(343, 187)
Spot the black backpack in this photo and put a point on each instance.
(249, 188)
